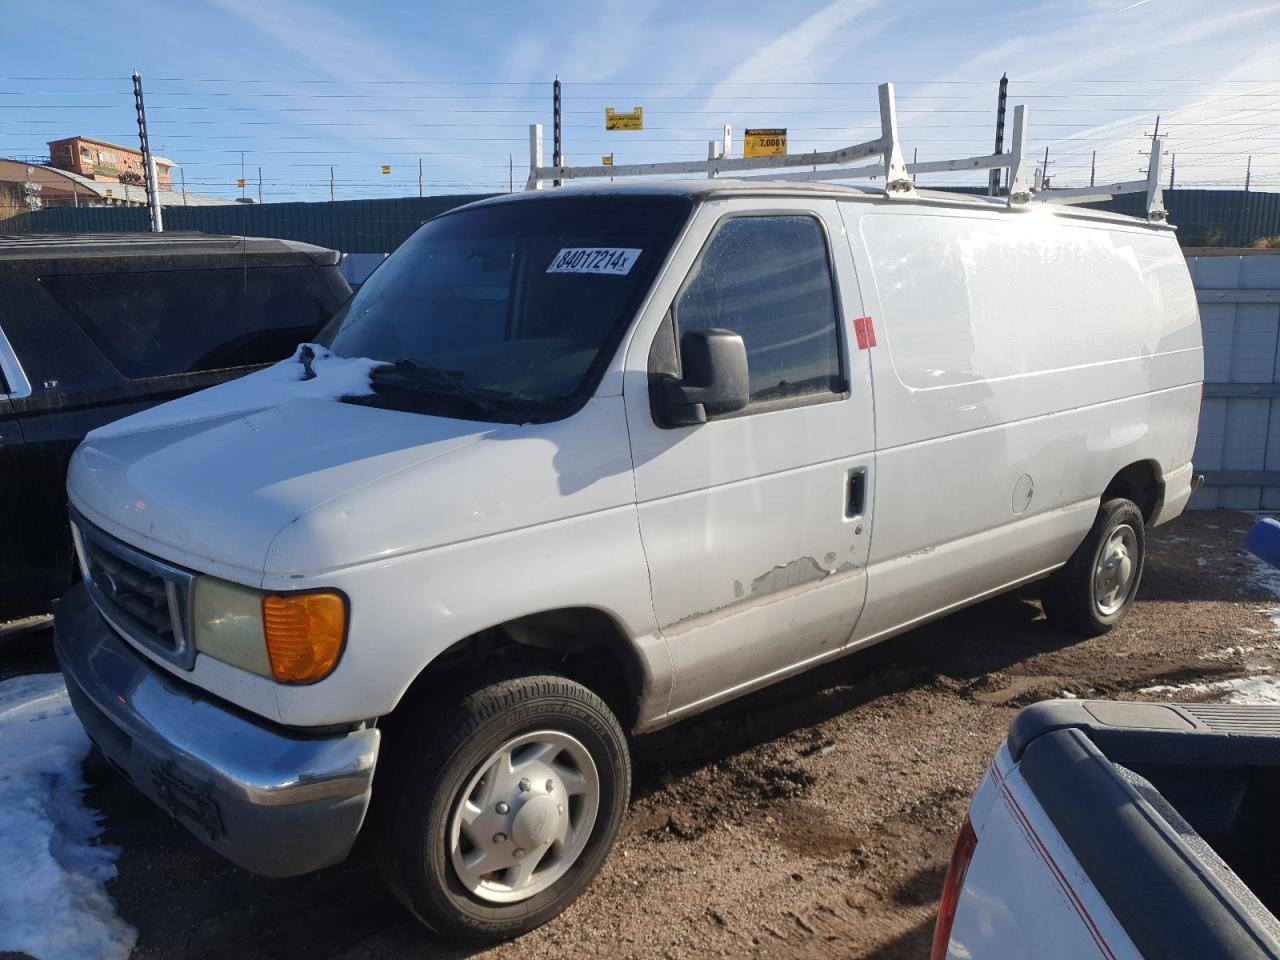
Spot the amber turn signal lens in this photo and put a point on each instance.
(304, 634)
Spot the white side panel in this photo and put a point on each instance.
(1026, 897)
(949, 529)
(996, 319)
(1023, 361)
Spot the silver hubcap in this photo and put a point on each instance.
(1117, 563)
(524, 817)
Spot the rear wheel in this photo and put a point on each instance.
(1093, 592)
(509, 811)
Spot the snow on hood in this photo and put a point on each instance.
(53, 904)
(331, 378)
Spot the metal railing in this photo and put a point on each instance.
(838, 165)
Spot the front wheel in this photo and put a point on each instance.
(1093, 592)
(509, 812)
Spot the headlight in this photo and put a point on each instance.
(228, 624)
(290, 637)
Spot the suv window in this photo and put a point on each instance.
(768, 278)
(157, 323)
(286, 306)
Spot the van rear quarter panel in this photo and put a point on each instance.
(1019, 352)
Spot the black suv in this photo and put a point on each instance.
(94, 328)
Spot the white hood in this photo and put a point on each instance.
(209, 480)
(251, 482)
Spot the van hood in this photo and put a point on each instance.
(212, 494)
(274, 478)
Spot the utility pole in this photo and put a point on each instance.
(148, 161)
(993, 185)
(1044, 174)
(1093, 167)
(331, 191)
(419, 176)
(1248, 173)
(242, 174)
(183, 171)
(915, 156)
(259, 185)
(556, 153)
(511, 174)
(1173, 167)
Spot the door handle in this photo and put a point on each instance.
(856, 493)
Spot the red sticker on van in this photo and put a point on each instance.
(865, 331)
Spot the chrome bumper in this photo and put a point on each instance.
(275, 802)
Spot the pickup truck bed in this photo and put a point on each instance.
(1122, 830)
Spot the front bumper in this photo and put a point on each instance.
(274, 802)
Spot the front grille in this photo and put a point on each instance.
(146, 599)
(136, 594)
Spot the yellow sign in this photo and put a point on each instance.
(764, 143)
(607, 161)
(624, 121)
(240, 183)
(385, 168)
(108, 191)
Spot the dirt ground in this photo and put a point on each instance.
(814, 819)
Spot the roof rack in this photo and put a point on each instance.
(1150, 185)
(888, 163)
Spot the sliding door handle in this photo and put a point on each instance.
(856, 493)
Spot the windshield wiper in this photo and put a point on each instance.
(423, 376)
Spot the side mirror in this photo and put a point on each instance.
(715, 378)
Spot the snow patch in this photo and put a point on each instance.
(335, 377)
(53, 904)
(1180, 688)
(1262, 689)
(1265, 577)
(1228, 653)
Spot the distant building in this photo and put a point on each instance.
(106, 162)
(26, 185)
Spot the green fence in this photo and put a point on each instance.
(352, 226)
(1228, 218)
(1211, 218)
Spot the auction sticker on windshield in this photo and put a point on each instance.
(615, 261)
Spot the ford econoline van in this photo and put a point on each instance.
(575, 464)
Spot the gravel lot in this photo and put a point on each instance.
(814, 819)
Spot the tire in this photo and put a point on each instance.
(1082, 597)
(444, 767)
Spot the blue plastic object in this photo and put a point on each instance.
(1263, 541)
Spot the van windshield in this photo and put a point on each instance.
(507, 312)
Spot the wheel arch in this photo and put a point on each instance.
(585, 643)
(1142, 482)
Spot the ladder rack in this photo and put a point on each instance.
(1150, 185)
(886, 153)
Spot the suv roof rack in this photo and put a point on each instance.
(888, 163)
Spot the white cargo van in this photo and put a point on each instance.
(575, 464)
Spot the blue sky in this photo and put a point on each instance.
(302, 86)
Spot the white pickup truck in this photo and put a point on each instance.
(1121, 831)
(575, 464)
